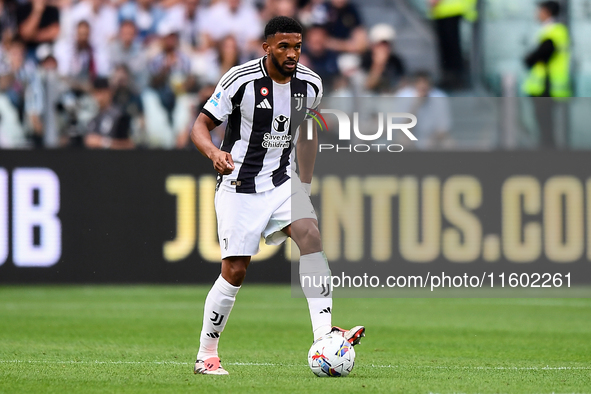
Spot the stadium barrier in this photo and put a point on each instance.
(147, 216)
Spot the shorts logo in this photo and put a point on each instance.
(226, 243)
(264, 91)
(236, 183)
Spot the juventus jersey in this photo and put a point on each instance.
(262, 122)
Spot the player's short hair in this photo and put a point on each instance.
(553, 7)
(282, 24)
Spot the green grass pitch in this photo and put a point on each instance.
(143, 339)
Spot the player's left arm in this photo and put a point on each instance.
(306, 150)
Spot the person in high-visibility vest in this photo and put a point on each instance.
(549, 69)
(447, 15)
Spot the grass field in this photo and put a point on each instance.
(144, 339)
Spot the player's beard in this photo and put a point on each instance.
(280, 68)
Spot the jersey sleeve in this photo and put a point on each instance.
(315, 92)
(219, 105)
(318, 97)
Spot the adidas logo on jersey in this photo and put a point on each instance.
(264, 104)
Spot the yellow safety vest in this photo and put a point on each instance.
(557, 68)
(451, 8)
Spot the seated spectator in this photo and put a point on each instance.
(228, 54)
(18, 75)
(43, 97)
(237, 18)
(384, 68)
(169, 70)
(77, 61)
(127, 98)
(188, 17)
(183, 140)
(38, 23)
(431, 106)
(349, 82)
(102, 18)
(311, 12)
(318, 57)
(14, 78)
(8, 17)
(127, 50)
(344, 25)
(275, 8)
(146, 14)
(110, 129)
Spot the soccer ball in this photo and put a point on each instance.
(331, 355)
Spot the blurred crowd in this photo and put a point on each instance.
(123, 74)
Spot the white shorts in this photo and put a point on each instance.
(243, 218)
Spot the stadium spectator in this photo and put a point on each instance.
(43, 97)
(228, 54)
(383, 66)
(102, 18)
(110, 128)
(8, 16)
(38, 22)
(217, 134)
(275, 8)
(350, 81)
(170, 69)
(188, 17)
(345, 27)
(432, 107)
(237, 18)
(549, 69)
(318, 57)
(146, 15)
(127, 98)
(128, 51)
(77, 60)
(18, 74)
(447, 15)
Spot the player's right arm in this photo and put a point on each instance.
(215, 110)
(201, 137)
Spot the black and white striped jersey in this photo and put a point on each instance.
(263, 120)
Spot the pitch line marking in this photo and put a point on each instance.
(248, 364)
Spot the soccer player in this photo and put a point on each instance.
(256, 186)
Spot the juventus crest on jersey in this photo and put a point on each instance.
(263, 119)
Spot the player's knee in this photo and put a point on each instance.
(234, 272)
(237, 273)
(310, 238)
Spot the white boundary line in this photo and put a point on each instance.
(97, 362)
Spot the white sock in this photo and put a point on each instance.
(218, 305)
(313, 271)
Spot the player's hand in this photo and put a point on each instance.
(222, 162)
